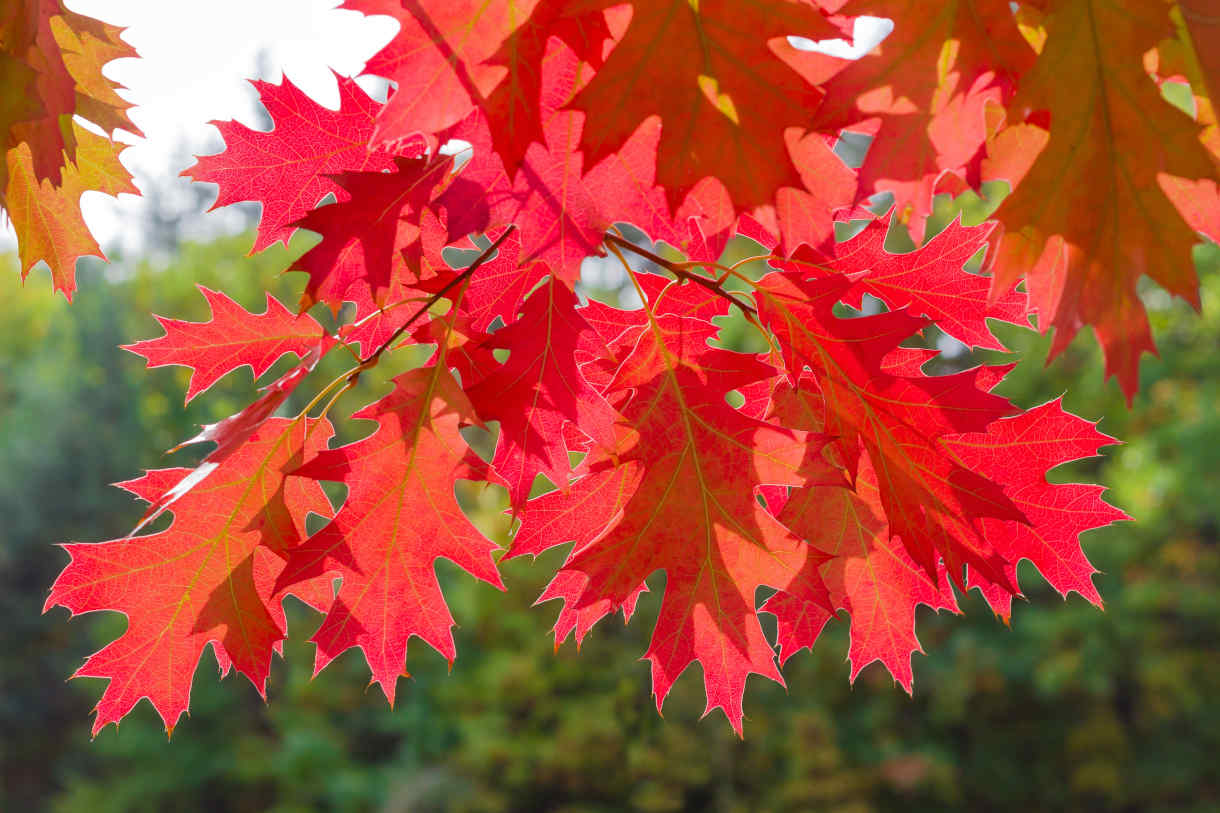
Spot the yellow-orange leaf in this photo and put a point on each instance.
(47, 218)
(51, 63)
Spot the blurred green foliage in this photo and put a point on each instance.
(1070, 709)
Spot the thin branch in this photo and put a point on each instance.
(645, 253)
(747, 261)
(681, 272)
(432, 300)
(351, 351)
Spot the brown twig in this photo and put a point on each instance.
(680, 272)
(432, 300)
(349, 379)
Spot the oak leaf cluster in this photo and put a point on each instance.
(829, 476)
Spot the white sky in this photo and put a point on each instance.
(194, 64)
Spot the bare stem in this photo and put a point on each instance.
(432, 300)
(349, 378)
(681, 271)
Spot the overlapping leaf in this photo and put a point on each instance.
(872, 576)
(561, 208)
(708, 70)
(724, 95)
(1058, 513)
(693, 514)
(894, 419)
(539, 389)
(52, 60)
(867, 571)
(288, 170)
(498, 290)
(210, 578)
(436, 59)
(47, 217)
(374, 240)
(51, 63)
(930, 280)
(925, 86)
(1091, 217)
(400, 516)
(513, 107)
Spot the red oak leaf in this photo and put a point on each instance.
(872, 576)
(560, 220)
(868, 573)
(47, 218)
(919, 154)
(895, 419)
(929, 280)
(288, 169)
(568, 585)
(806, 215)
(436, 59)
(497, 290)
(230, 434)
(693, 514)
(617, 328)
(539, 389)
(724, 94)
(51, 82)
(233, 337)
(52, 61)
(207, 579)
(591, 505)
(1082, 253)
(373, 239)
(86, 47)
(376, 323)
(513, 106)
(564, 211)
(400, 516)
(1018, 452)
(926, 85)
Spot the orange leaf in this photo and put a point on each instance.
(1091, 216)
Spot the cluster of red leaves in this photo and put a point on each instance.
(845, 478)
